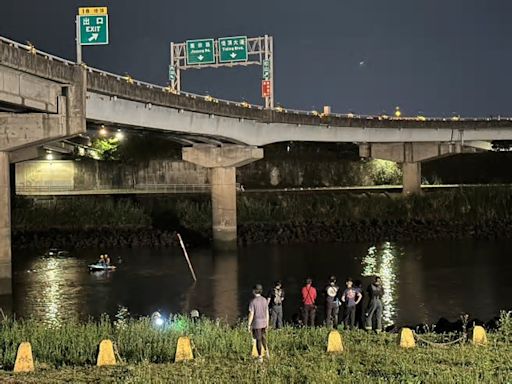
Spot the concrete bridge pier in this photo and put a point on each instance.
(5, 225)
(411, 178)
(222, 163)
(410, 156)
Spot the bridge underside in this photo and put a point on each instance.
(108, 110)
(34, 110)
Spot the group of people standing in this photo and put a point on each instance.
(268, 311)
(348, 301)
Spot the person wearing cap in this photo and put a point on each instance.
(331, 303)
(259, 320)
(194, 315)
(308, 303)
(275, 303)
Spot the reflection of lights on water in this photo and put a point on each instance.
(51, 291)
(380, 261)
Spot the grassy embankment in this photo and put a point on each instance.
(482, 213)
(195, 212)
(68, 353)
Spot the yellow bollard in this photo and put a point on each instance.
(254, 352)
(183, 350)
(479, 335)
(106, 354)
(24, 360)
(334, 342)
(406, 338)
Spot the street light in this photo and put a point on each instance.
(119, 135)
(103, 131)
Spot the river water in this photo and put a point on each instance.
(423, 280)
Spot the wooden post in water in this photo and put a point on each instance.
(186, 257)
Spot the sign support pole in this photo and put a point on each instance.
(78, 45)
(268, 55)
(176, 83)
(271, 54)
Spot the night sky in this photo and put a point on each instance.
(435, 57)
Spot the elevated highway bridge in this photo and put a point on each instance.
(44, 99)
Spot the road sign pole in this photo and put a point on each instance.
(78, 45)
(268, 48)
(176, 82)
(271, 55)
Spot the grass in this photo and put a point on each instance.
(79, 213)
(68, 353)
(194, 213)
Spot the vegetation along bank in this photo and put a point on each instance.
(280, 218)
(67, 353)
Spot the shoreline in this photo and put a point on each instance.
(337, 231)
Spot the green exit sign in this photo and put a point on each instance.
(200, 52)
(93, 29)
(232, 49)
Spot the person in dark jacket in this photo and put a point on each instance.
(375, 307)
(332, 303)
(275, 304)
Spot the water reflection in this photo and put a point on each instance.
(418, 279)
(225, 285)
(52, 296)
(382, 261)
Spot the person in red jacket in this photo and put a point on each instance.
(308, 301)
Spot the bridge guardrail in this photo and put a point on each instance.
(137, 188)
(32, 49)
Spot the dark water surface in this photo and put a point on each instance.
(423, 281)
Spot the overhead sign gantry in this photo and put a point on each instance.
(225, 52)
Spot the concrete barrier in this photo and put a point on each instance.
(106, 354)
(479, 336)
(24, 359)
(183, 350)
(334, 342)
(254, 352)
(406, 339)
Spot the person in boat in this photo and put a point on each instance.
(107, 260)
(101, 261)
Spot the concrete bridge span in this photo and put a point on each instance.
(44, 98)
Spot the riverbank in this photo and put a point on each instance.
(270, 233)
(67, 354)
(483, 213)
